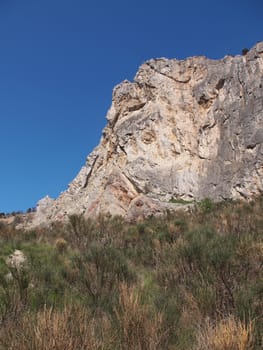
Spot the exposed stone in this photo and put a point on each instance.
(16, 260)
(186, 129)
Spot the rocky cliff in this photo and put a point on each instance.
(185, 129)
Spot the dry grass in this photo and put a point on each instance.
(227, 334)
(137, 328)
(72, 328)
(132, 326)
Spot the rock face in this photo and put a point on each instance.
(187, 129)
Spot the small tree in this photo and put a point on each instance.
(245, 51)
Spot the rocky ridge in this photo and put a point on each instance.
(187, 129)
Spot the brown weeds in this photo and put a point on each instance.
(227, 334)
(138, 328)
(71, 328)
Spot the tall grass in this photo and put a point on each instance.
(184, 281)
(226, 334)
(71, 328)
(138, 327)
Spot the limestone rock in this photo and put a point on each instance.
(186, 129)
(16, 260)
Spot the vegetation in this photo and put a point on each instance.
(184, 281)
(245, 51)
(180, 201)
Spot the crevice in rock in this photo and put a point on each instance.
(114, 121)
(220, 84)
(137, 189)
(122, 149)
(185, 81)
(207, 126)
(227, 117)
(90, 173)
(202, 157)
(252, 146)
(136, 107)
(239, 191)
(205, 101)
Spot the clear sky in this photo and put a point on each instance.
(60, 59)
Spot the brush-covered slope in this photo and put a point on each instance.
(187, 129)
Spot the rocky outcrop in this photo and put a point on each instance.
(187, 129)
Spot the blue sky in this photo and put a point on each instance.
(59, 61)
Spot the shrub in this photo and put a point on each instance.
(206, 205)
(61, 245)
(245, 51)
(98, 272)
